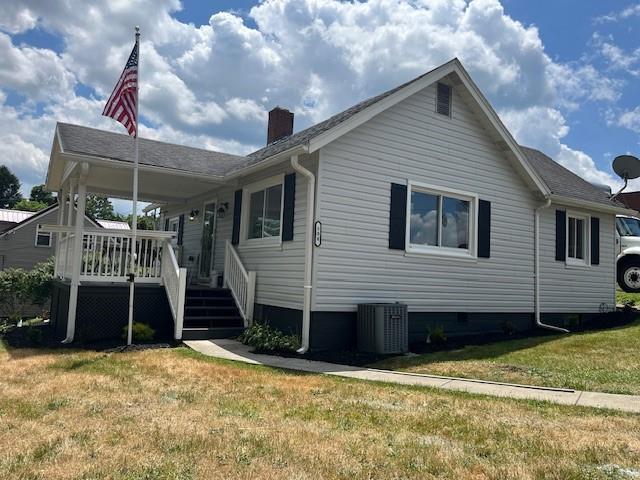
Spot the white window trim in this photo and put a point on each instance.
(244, 220)
(42, 233)
(448, 252)
(576, 262)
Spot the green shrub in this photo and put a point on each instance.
(20, 288)
(436, 336)
(263, 337)
(141, 332)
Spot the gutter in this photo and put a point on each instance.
(536, 272)
(308, 252)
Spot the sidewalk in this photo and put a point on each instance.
(233, 350)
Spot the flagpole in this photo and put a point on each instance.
(134, 215)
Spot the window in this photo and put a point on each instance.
(628, 227)
(443, 99)
(577, 239)
(263, 217)
(43, 239)
(440, 221)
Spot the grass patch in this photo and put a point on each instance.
(604, 360)
(624, 297)
(179, 415)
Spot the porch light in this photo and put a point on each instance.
(222, 209)
(194, 213)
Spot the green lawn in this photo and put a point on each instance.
(604, 360)
(175, 414)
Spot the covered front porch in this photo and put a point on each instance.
(92, 261)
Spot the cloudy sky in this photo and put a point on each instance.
(564, 79)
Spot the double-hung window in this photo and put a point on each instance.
(577, 239)
(440, 221)
(263, 215)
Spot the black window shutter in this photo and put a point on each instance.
(289, 206)
(166, 224)
(484, 229)
(180, 229)
(561, 235)
(595, 241)
(237, 208)
(398, 217)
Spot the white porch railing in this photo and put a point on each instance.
(106, 257)
(241, 283)
(174, 279)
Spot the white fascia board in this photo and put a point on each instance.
(592, 206)
(268, 162)
(109, 162)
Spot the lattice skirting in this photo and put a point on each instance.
(102, 311)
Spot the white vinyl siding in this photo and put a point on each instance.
(279, 267)
(410, 141)
(565, 288)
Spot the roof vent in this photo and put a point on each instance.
(280, 124)
(443, 100)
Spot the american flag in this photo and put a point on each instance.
(123, 101)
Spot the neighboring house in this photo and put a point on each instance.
(22, 246)
(419, 195)
(630, 199)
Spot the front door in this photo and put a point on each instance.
(208, 239)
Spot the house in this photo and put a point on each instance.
(23, 246)
(630, 199)
(419, 195)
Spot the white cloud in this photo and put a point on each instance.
(616, 57)
(628, 12)
(630, 120)
(211, 85)
(36, 73)
(544, 128)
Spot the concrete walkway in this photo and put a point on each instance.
(233, 350)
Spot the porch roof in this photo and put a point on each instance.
(168, 172)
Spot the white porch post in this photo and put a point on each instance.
(77, 252)
(69, 214)
(62, 203)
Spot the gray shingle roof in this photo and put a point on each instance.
(84, 140)
(101, 143)
(563, 182)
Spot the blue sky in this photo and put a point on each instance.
(564, 79)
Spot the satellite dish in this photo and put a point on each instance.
(626, 166)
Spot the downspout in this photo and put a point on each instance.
(536, 273)
(308, 252)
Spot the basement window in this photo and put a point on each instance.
(443, 99)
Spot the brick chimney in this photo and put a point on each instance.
(280, 124)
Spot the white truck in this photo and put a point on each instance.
(628, 253)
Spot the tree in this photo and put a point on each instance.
(39, 194)
(101, 208)
(9, 188)
(144, 222)
(30, 205)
